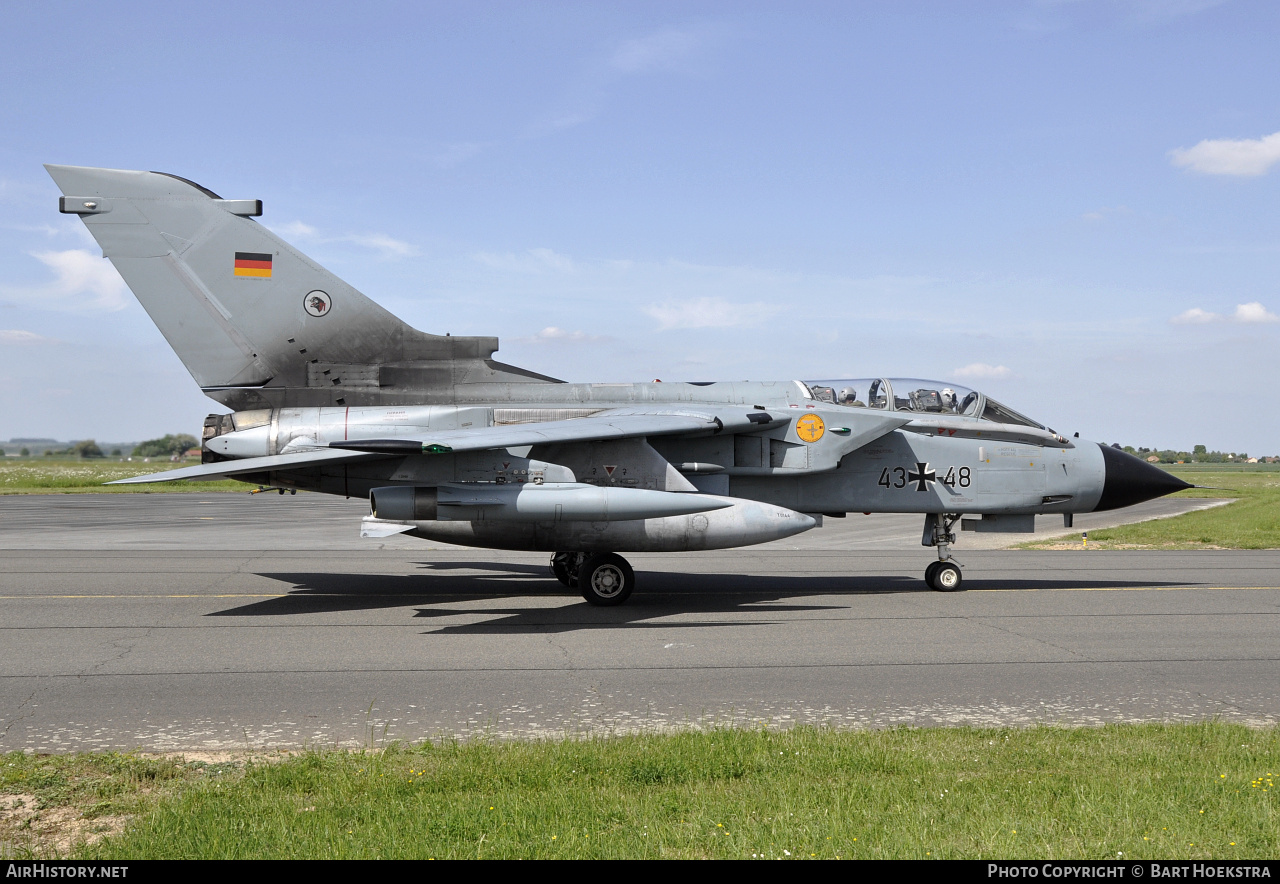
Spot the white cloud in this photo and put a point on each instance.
(1050, 16)
(293, 230)
(1195, 316)
(1223, 156)
(530, 261)
(553, 335)
(46, 229)
(553, 259)
(456, 153)
(1106, 212)
(551, 124)
(386, 246)
(20, 338)
(662, 51)
(709, 313)
(981, 371)
(671, 51)
(1254, 312)
(82, 282)
(1251, 313)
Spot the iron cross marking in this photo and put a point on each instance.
(922, 476)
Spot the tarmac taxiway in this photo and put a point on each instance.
(188, 622)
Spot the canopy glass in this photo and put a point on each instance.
(916, 395)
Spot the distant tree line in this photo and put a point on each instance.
(85, 448)
(167, 446)
(1198, 454)
(172, 445)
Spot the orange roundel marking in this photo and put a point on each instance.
(810, 428)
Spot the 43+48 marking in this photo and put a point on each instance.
(922, 475)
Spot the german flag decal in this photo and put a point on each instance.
(253, 264)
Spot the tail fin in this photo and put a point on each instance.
(256, 322)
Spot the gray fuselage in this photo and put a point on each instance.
(931, 464)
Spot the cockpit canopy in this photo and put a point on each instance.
(916, 395)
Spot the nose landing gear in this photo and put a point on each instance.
(943, 575)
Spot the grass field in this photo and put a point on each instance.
(1144, 791)
(1251, 521)
(65, 476)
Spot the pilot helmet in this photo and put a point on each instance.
(948, 398)
(848, 394)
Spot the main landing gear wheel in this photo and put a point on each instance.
(565, 565)
(943, 576)
(606, 579)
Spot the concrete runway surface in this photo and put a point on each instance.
(227, 622)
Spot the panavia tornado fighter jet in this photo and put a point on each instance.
(331, 393)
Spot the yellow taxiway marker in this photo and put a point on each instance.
(1112, 588)
(221, 595)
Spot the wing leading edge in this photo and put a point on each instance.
(226, 469)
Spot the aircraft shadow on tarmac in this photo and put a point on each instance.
(664, 594)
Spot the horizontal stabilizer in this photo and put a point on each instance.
(376, 528)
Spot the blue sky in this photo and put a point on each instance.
(1071, 205)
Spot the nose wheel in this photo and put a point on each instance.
(943, 575)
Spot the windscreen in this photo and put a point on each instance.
(1003, 414)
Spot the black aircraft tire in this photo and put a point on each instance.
(606, 579)
(564, 567)
(947, 578)
(930, 572)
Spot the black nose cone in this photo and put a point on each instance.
(1130, 480)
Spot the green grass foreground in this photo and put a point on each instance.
(1251, 521)
(62, 476)
(1145, 791)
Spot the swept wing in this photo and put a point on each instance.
(613, 424)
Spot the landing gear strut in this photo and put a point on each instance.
(943, 575)
(565, 565)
